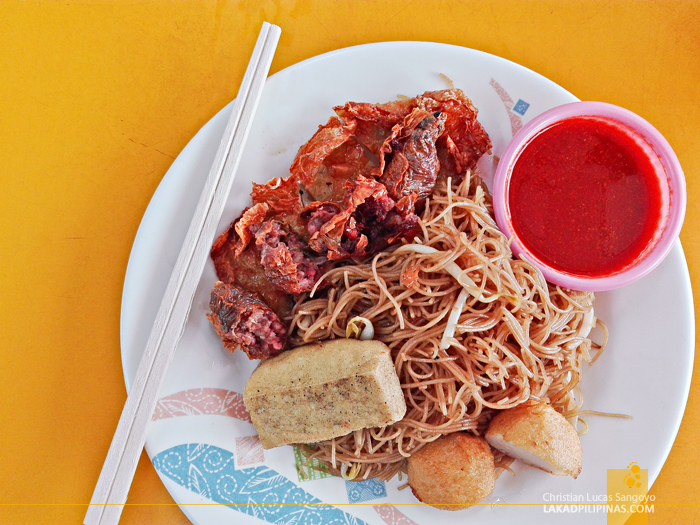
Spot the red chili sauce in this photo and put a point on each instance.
(584, 197)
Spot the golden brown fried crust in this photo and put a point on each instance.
(453, 472)
(538, 428)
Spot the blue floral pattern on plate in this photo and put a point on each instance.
(258, 491)
(521, 107)
(361, 491)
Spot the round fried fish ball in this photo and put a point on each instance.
(453, 472)
(537, 434)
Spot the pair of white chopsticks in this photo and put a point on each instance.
(118, 470)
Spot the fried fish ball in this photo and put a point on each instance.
(453, 472)
(537, 434)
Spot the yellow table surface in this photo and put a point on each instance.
(98, 98)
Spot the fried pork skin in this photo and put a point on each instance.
(537, 434)
(453, 472)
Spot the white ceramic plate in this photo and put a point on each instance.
(201, 442)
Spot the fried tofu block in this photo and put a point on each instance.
(323, 390)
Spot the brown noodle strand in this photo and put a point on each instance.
(517, 337)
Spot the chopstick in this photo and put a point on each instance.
(118, 470)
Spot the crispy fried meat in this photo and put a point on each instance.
(353, 190)
(282, 255)
(241, 318)
(414, 165)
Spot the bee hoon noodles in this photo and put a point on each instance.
(471, 329)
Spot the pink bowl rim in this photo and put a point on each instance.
(667, 157)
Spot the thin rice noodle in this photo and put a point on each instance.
(517, 337)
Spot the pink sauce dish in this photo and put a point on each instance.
(591, 194)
